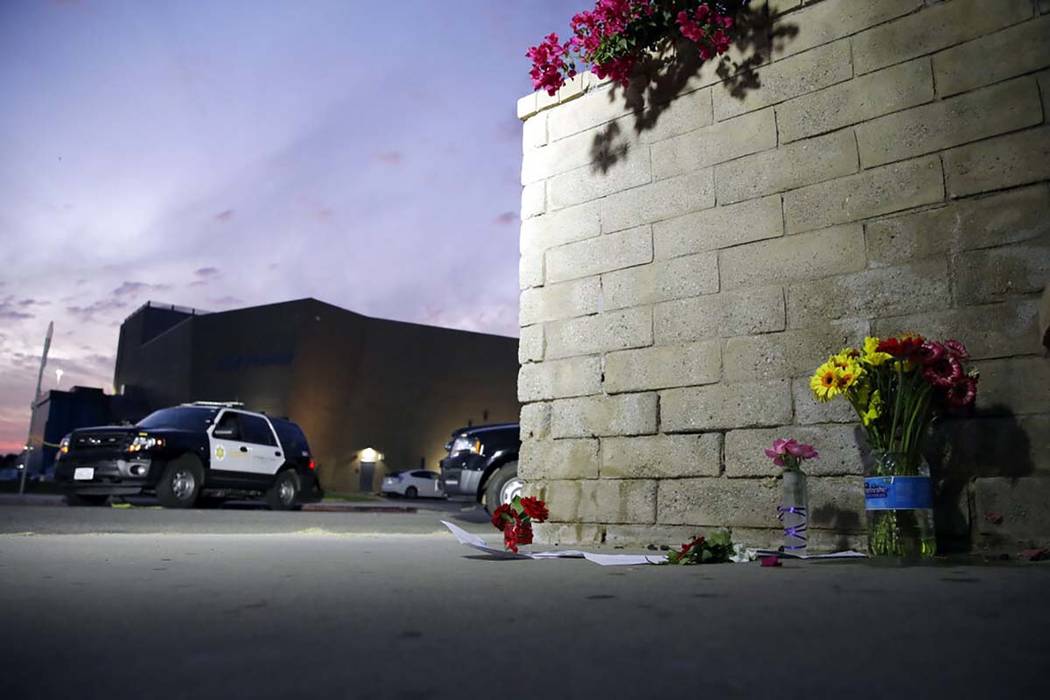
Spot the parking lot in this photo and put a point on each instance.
(142, 602)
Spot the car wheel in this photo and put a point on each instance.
(180, 483)
(411, 492)
(503, 486)
(76, 499)
(284, 492)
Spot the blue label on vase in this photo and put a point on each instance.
(897, 492)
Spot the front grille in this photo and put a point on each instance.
(100, 442)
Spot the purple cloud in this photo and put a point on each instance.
(507, 217)
(135, 288)
(102, 306)
(389, 157)
(224, 216)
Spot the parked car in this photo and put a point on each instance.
(482, 462)
(414, 484)
(199, 453)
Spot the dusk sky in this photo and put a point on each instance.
(226, 154)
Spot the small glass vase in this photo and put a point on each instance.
(793, 512)
(898, 498)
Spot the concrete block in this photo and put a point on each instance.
(562, 300)
(627, 414)
(605, 332)
(795, 353)
(527, 106)
(534, 134)
(870, 193)
(1022, 503)
(595, 108)
(725, 406)
(794, 165)
(661, 280)
(855, 101)
(556, 379)
(719, 502)
(823, 22)
(1019, 385)
(939, 125)
(1012, 446)
(1044, 89)
(688, 112)
(602, 501)
(594, 256)
(591, 181)
(889, 291)
(934, 28)
(658, 201)
(661, 456)
(981, 222)
(663, 367)
(721, 227)
(989, 59)
(535, 421)
(533, 199)
(568, 533)
(809, 411)
(730, 313)
(530, 270)
(1044, 318)
(561, 227)
(994, 330)
(998, 163)
(697, 150)
(562, 156)
(640, 536)
(789, 78)
(559, 459)
(530, 344)
(837, 503)
(837, 444)
(787, 259)
(999, 273)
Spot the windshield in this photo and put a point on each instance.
(181, 418)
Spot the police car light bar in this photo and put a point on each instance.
(217, 404)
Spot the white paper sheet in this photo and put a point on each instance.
(472, 540)
(848, 554)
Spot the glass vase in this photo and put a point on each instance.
(898, 498)
(794, 511)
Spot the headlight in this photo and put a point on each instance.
(63, 447)
(145, 442)
(466, 444)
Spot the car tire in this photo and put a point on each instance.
(502, 486)
(284, 492)
(411, 492)
(76, 499)
(180, 483)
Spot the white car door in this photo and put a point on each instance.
(266, 454)
(228, 451)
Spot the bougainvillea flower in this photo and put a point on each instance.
(944, 373)
(535, 509)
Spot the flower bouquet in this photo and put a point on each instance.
(615, 35)
(515, 520)
(898, 387)
(702, 550)
(793, 512)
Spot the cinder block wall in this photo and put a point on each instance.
(684, 269)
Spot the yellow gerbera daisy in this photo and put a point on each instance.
(824, 382)
(872, 356)
(847, 376)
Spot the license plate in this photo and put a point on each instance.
(84, 473)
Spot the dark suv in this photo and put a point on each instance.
(195, 453)
(482, 462)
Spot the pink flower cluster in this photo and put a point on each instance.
(611, 39)
(707, 28)
(790, 453)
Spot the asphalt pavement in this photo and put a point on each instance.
(144, 603)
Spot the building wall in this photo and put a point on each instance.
(685, 267)
(350, 381)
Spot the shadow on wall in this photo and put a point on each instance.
(993, 444)
(659, 79)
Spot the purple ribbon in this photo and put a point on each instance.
(796, 531)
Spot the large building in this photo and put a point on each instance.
(352, 382)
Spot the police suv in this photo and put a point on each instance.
(199, 453)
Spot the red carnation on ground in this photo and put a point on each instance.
(535, 509)
(502, 516)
